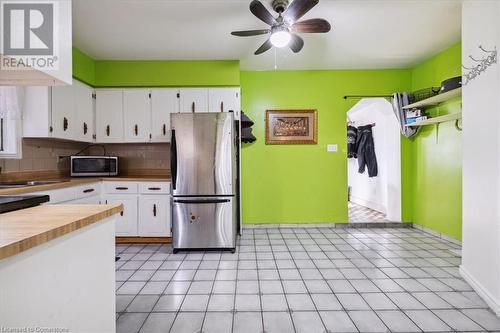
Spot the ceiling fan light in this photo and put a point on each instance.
(280, 38)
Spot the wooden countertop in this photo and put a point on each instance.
(68, 182)
(23, 229)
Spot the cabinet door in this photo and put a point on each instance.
(109, 116)
(92, 200)
(194, 100)
(126, 222)
(136, 115)
(163, 103)
(154, 215)
(63, 112)
(224, 100)
(84, 112)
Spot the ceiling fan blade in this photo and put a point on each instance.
(296, 43)
(258, 9)
(264, 47)
(298, 8)
(247, 33)
(312, 26)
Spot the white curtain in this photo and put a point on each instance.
(11, 102)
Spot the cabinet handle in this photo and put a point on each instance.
(154, 188)
(108, 130)
(65, 123)
(221, 106)
(136, 129)
(121, 188)
(154, 210)
(85, 128)
(193, 107)
(88, 190)
(121, 213)
(164, 129)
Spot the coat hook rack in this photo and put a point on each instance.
(472, 72)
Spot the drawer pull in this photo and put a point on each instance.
(154, 188)
(88, 190)
(121, 188)
(193, 107)
(136, 130)
(154, 210)
(121, 213)
(108, 130)
(85, 128)
(65, 124)
(221, 106)
(164, 129)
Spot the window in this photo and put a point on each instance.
(10, 122)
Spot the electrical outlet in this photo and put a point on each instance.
(332, 148)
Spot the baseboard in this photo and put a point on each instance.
(437, 234)
(370, 204)
(327, 225)
(493, 303)
(143, 240)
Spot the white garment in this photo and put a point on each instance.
(11, 102)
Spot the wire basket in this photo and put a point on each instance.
(424, 94)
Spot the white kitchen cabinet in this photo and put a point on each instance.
(193, 99)
(92, 200)
(224, 100)
(84, 112)
(63, 112)
(126, 222)
(154, 215)
(136, 115)
(109, 116)
(163, 103)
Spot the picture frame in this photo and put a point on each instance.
(291, 127)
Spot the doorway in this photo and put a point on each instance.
(376, 199)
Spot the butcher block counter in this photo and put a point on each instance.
(57, 268)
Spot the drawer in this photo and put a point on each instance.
(59, 195)
(88, 190)
(154, 187)
(120, 187)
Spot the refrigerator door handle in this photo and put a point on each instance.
(201, 201)
(173, 159)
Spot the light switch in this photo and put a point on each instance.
(332, 148)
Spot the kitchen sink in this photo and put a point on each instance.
(29, 183)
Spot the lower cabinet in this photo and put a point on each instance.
(154, 215)
(126, 223)
(93, 200)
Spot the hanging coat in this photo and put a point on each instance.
(352, 133)
(366, 151)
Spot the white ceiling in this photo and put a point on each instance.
(365, 33)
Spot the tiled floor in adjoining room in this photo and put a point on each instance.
(307, 280)
(362, 214)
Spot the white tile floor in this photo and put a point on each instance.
(362, 214)
(307, 280)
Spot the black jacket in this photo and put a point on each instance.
(352, 133)
(366, 151)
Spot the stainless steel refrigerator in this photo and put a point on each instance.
(204, 181)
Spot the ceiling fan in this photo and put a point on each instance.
(284, 28)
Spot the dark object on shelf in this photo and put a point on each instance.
(450, 84)
(247, 136)
(422, 94)
(9, 203)
(245, 121)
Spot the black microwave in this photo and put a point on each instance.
(92, 166)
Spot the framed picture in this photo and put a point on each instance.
(291, 127)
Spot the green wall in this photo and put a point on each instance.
(436, 181)
(304, 183)
(155, 73)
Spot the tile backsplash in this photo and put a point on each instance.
(50, 155)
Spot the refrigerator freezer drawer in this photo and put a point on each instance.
(203, 222)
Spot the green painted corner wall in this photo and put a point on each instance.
(303, 183)
(155, 73)
(436, 154)
(83, 67)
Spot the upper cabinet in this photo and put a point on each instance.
(109, 116)
(136, 115)
(224, 100)
(59, 112)
(164, 101)
(84, 112)
(193, 100)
